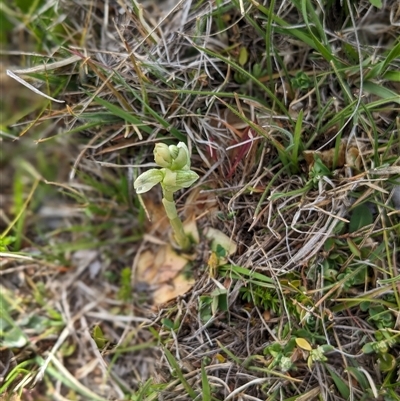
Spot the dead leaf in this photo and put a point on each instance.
(353, 158)
(169, 291)
(327, 156)
(163, 271)
(171, 264)
(146, 269)
(158, 268)
(310, 395)
(348, 154)
(217, 237)
(267, 315)
(10, 397)
(219, 358)
(213, 263)
(303, 344)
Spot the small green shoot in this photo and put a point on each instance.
(206, 388)
(210, 304)
(98, 337)
(179, 374)
(125, 290)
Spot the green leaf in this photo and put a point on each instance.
(243, 56)
(205, 302)
(376, 3)
(381, 91)
(393, 76)
(353, 248)
(206, 396)
(368, 348)
(339, 227)
(5, 242)
(14, 338)
(323, 48)
(301, 81)
(254, 277)
(364, 306)
(174, 365)
(361, 217)
(287, 28)
(220, 251)
(11, 334)
(168, 323)
(98, 337)
(360, 377)
(386, 362)
(374, 71)
(339, 383)
(297, 141)
(329, 244)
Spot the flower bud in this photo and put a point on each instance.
(182, 158)
(172, 157)
(147, 180)
(162, 155)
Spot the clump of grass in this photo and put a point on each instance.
(291, 110)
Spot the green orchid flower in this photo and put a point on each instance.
(175, 174)
(147, 180)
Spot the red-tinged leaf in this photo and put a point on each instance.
(243, 149)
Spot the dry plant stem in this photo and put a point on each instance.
(177, 226)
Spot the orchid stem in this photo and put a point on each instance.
(177, 226)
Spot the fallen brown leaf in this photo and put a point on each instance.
(168, 291)
(163, 270)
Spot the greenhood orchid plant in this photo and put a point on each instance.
(173, 175)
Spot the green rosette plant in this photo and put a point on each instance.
(173, 175)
